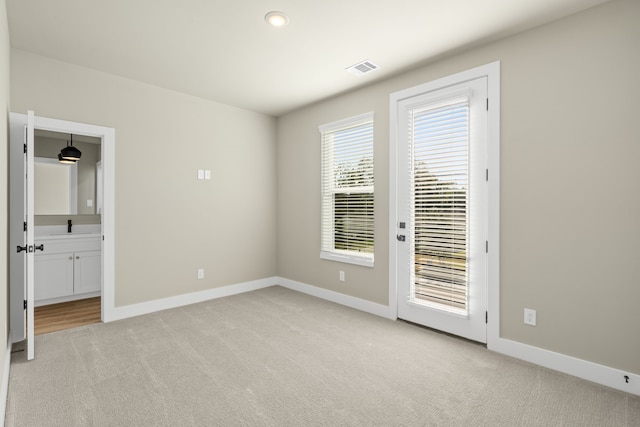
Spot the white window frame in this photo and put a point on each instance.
(328, 250)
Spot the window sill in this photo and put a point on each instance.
(365, 261)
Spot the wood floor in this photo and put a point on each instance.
(66, 315)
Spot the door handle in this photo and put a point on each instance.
(40, 247)
(401, 237)
(22, 248)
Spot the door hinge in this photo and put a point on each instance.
(487, 104)
(486, 246)
(25, 148)
(24, 226)
(487, 174)
(25, 304)
(486, 317)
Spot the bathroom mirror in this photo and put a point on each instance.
(65, 189)
(55, 187)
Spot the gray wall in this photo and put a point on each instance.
(570, 165)
(168, 223)
(4, 196)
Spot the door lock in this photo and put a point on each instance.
(401, 237)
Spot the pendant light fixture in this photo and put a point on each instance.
(69, 154)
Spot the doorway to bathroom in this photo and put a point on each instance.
(78, 241)
(67, 223)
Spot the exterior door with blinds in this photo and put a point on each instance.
(442, 205)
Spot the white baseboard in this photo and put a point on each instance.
(600, 374)
(583, 369)
(349, 301)
(133, 310)
(4, 387)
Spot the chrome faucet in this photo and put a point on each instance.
(69, 225)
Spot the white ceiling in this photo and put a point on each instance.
(224, 51)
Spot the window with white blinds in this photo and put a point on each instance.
(439, 140)
(347, 190)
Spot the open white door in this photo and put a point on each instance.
(29, 234)
(21, 229)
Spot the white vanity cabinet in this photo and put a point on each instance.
(87, 268)
(53, 274)
(69, 267)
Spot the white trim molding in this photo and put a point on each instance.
(337, 297)
(579, 368)
(139, 309)
(600, 374)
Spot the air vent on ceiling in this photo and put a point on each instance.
(363, 67)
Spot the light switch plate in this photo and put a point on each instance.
(207, 174)
(200, 174)
(89, 203)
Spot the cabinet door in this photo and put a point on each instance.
(87, 272)
(53, 274)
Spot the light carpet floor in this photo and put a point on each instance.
(275, 357)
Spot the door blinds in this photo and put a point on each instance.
(439, 144)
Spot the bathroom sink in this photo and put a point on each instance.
(85, 233)
(60, 231)
(71, 234)
(64, 236)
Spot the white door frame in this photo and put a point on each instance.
(107, 136)
(492, 72)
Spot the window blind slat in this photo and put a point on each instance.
(440, 154)
(347, 188)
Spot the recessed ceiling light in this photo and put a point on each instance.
(277, 19)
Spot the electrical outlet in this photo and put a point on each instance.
(200, 173)
(207, 174)
(201, 273)
(342, 279)
(529, 317)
